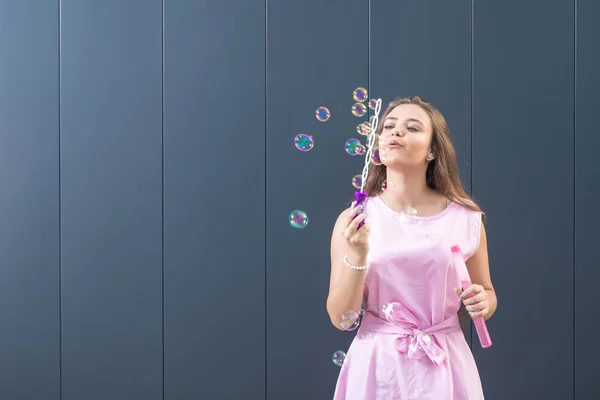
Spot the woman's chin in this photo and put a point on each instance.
(399, 164)
(391, 160)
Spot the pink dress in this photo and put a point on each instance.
(409, 344)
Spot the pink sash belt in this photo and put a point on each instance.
(411, 339)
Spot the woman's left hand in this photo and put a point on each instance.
(475, 299)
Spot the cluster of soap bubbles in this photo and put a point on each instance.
(304, 142)
(349, 322)
(353, 146)
(298, 219)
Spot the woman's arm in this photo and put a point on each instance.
(479, 270)
(346, 284)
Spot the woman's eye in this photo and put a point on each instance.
(412, 129)
(387, 127)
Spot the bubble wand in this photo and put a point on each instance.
(360, 196)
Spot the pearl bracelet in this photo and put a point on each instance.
(356, 267)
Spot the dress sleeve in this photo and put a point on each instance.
(474, 235)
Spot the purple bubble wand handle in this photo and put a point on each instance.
(465, 280)
(360, 197)
(359, 200)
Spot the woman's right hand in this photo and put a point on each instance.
(357, 237)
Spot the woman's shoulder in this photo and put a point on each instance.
(467, 207)
(468, 224)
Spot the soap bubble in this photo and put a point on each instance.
(372, 104)
(304, 142)
(361, 150)
(364, 128)
(359, 109)
(360, 128)
(409, 211)
(338, 358)
(375, 143)
(357, 181)
(353, 146)
(406, 213)
(366, 336)
(360, 94)
(323, 114)
(298, 219)
(384, 186)
(350, 320)
(383, 308)
(375, 160)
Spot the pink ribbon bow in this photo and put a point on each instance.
(411, 339)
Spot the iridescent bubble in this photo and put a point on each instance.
(323, 114)
(360, 128)
(353, 146)
(364, 128)
(409, 211)
(426, 337)
(406, 213)
(304, 142)
(298, 219)
(366, 336)
(383, 308)
(375, 160)
(360, 94)
(384, 186)
(350, 320)
(357, 181)
(338, 358)
(361, 150)
(359, 109)
(372, 104)
(376, 141)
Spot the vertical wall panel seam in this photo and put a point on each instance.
(369, 50)
(162, 56)
(60, 374)
(266, 192)
(472, 152)
(574, 178)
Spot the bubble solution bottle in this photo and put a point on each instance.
(465, 280)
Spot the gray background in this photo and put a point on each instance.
(147, 169)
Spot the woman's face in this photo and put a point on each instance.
(405, 140)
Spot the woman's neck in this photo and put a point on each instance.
(407, 189)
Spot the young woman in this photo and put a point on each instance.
(397, 267)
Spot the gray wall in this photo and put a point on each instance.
(148, 170)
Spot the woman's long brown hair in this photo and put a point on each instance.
(442, 172)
